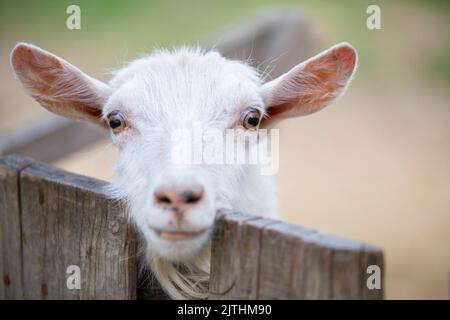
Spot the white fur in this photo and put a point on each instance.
(164, 92)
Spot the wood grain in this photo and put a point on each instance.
(67, 219)
(11, 284)
(257, 258)
(52, 219)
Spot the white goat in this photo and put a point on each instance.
(174, 206)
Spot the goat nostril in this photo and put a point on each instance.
(162, 198)
(178, 197)
(191, 196)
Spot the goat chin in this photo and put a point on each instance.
(183, 280)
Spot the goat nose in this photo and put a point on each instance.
(179, 197)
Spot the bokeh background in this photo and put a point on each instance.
(375, 167)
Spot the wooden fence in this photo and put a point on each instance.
(51, 219)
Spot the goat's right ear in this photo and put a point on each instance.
(311, 85)
(57, 85)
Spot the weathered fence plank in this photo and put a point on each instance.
(68, 220)
(51, 220)
(11, 285)
(256, 258)
(236, 244)
(228, 234)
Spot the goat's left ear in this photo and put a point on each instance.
(57, 85)
(311, 85)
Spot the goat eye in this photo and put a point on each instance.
(116, 121)
(250, 118)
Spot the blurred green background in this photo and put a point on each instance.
(139, 25)
(376, 168)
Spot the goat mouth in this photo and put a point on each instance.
(178, 235)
